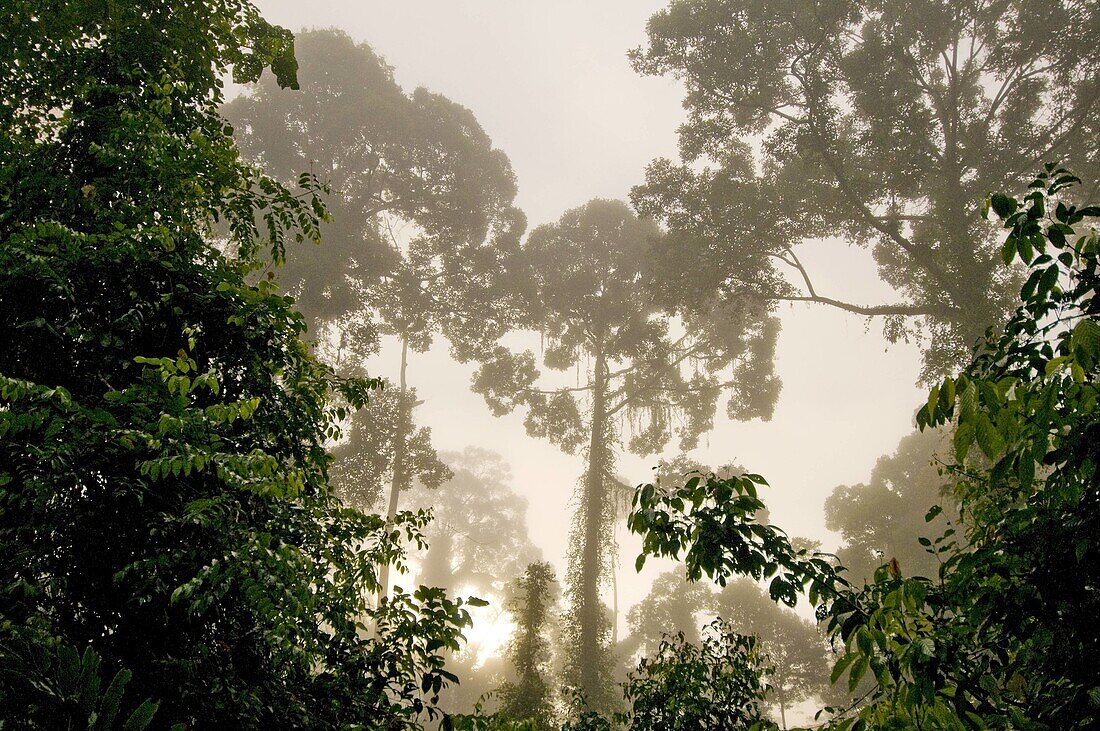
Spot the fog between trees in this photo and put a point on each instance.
(519, 398)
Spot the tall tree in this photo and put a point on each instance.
(1004, 636)
(423, 219)
(532, 603)
(478, 537)
(884, 518)
(163, 496)
(650, 368)
(883, 123)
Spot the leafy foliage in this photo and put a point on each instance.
(716, 684)
(709, 520)
(163, 471)
(881, 123)
(794, 647)
(54, 686)
(1002, 636)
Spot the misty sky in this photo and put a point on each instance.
(551, 84)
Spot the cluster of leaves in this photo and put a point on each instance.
(794, 646)
(64, 689)
(163, 468)
(880, 122)
(1002, 637)
(714, 684)
(711, 521)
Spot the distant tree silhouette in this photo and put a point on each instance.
(794, 647)
(478, 536)
(364, 463)
(422, 218)
(532, 602)
(882, 123)
(652, 369)
(884, 518)
(672, 605)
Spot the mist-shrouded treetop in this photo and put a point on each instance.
(884, 518)
(422, 207)
(647, 367)
(422, 230)
(366, 461)
(478, 535)
(881, 123)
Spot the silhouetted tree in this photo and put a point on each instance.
(478, 536)
(882, 123)
(365, 463)
(650, 368)
(532, 603)
(673, 605)
(794, 648)
(422, 212)
(885, 518)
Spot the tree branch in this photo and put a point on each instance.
(869, 310)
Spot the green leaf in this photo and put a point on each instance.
(842, 665)
(1086, 340)
(1003, 205)
(989, 439)
(964, 437)
(142, 716)
(859, 669)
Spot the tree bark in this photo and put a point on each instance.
(595, 497)
(782, 708)
(400, 445)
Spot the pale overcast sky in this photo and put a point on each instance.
(551, 84)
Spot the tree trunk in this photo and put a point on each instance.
(400, 439)
(595, 497)
(614, 600)
(782, 707)
(436, 569)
